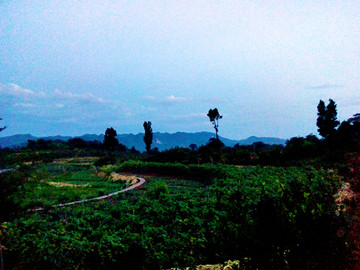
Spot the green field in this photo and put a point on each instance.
(185, 215)
(55, 183)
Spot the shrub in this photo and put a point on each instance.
(10, 185)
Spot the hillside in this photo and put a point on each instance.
(161, 140)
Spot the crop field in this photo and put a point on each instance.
(64, 181)
(184, 215)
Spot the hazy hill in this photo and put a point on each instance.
(161, 140)
(16, 140)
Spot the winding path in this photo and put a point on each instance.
(6, 170)
(140, 182)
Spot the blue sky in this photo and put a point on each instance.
(76, 67)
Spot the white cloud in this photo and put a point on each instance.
(168, 100)
(16, 91)
(88, 97)
(18, 95)
(174, 99)
(327, 86)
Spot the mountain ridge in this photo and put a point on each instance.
(161, 140)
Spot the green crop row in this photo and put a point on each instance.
(204, 173)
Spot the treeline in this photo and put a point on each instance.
(48, 150)
(298, 151)
(338, 142)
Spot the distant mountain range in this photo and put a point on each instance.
(160, 140)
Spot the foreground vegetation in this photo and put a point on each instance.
(265, 217)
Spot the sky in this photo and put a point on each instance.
(74, 67)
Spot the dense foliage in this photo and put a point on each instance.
(267, 217)
(11, 183)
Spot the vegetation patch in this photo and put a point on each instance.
(62, 184)
(55, 183)
(266, 217)
(130, 179)
(228, 265)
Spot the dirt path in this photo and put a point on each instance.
(6, 170)
(140, 182)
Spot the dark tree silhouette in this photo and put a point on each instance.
(77, 143)
(214, 119)
(193, 147)
(320, 122)
(355, 123)
(148, 137)
(327, 118)
(355, 120)
(110, 140)
(350, 131)
(2, 128)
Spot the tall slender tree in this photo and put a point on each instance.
(214, 117)
(327, 118)
(320, 121)
(148, 137)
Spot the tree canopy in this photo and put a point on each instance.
(214, 117)
(327, 118)
(110, 140)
